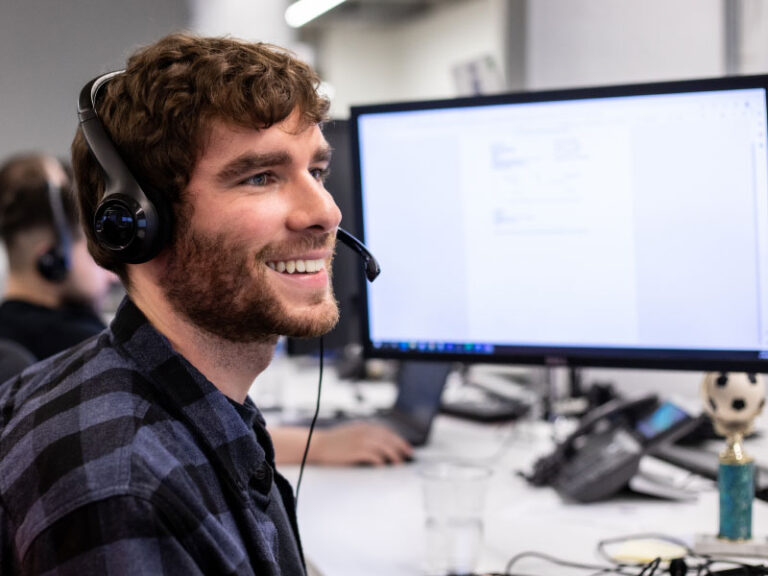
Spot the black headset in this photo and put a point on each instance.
(54, 264)
(133, 222)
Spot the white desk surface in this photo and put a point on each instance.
(369, 521)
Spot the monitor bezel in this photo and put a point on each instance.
(618, 357)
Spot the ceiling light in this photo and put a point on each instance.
(303, 11)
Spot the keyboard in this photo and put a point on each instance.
(491, 408)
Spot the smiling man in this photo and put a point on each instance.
(140, 452)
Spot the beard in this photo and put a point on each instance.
(223, 288)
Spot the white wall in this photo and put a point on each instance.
(752, 26)
(562, 43)
(256, 21)
(608, 41)
(49, 49)
(409, 60)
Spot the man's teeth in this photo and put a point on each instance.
(300, 266)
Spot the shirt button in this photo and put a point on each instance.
(261, 480)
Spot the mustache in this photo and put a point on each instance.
(305, 243)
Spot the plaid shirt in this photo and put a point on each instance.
(119, 457)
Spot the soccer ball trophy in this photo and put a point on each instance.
(733, 400)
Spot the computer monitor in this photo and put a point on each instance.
(346, 266)
(621, 226)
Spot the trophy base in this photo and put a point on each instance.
(714, 546)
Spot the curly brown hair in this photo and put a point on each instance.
(159, 111)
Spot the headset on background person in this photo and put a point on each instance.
(55, 263)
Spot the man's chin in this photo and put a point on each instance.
(308, 321)
(311, 327)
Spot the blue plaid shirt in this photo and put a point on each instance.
(119, 457)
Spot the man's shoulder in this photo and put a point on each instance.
(70, 428)
(49, 388)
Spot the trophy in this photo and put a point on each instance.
(733, 400)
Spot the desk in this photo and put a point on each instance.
(368, 521)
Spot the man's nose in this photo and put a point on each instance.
(315, 208)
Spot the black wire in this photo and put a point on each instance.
(311, 426)
(651, 567)
(618, 569)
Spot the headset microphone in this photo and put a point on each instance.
(372, 268)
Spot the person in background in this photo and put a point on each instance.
(54, 290)
(140, 451)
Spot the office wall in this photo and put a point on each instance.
(750, 21)
(246, 19)
(49, 49)
(369, 62)
(537, 44)
(604, 41)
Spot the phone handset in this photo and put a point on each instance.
(549, 470)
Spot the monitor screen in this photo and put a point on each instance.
(614, 226)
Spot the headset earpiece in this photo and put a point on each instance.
(54, 264)
(121, 226)
(131, 222)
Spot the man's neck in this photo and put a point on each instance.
(29, 289)
(230, 366)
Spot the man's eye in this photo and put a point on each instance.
(320, 174)
(261, 179)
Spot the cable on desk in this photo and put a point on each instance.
(651, 568)
(615, 569)
(311, 426)
(677, 566)
(741, 569)
(690, 564)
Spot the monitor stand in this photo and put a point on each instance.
(562, 397)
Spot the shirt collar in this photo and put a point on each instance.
(209, 414)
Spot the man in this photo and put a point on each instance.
(139, 452)
(54, 288)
